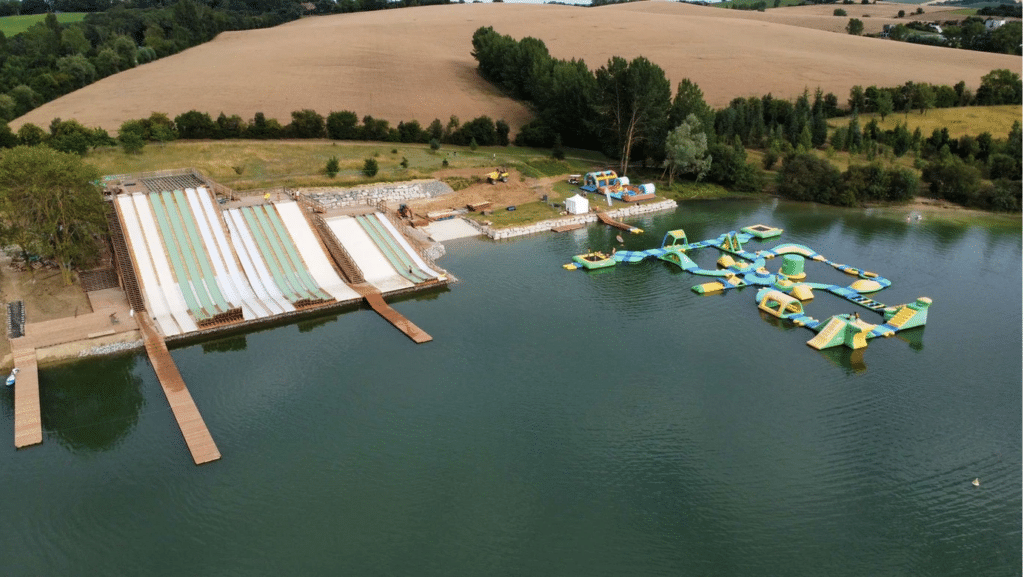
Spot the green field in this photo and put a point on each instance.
(248, 164)
(11, 25)
(967, 120)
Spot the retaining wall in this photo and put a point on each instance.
(371, 195)
(546, 225)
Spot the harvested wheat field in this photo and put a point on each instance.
(415, 63)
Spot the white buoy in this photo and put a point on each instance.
(976, 482)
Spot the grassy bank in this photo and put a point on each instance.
(11, 25)
(961, 121)
(247, 164)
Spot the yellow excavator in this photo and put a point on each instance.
(497, 175)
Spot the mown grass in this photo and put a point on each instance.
(11, 25)
(248, 164)
(967, 120)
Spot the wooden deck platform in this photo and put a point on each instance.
(603, 217)
(191, 423)
(376, 302)
(28, 423)
(567, 228)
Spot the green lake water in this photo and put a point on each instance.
(563, 423)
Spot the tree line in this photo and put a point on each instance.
(73, 137)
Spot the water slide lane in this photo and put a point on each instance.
(170, 287)
(312, 253)
(237, 278)
(376, 269)
(155, 300)
(387, 250)
(232, 294)
(200, 251)
(297, 264)
(827, 334)
(401, 253)
(289, 287)
(172, 248)
(253, 263)
(422, 264)
(188, 255)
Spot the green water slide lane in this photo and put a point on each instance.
(397, 249)
(188, 254)
(268, 256)
(172, 248)
(286, 265)
(289, 245)
(201, 251)
(386, 250)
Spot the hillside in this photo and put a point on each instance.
(415, 63)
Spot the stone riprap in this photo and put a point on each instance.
(546, 225)
(371, 195)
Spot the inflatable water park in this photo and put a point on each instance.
(781, 294)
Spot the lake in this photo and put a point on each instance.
(563, 423)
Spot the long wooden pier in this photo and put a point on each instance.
(28, 423)
(376, 302)
(603, 217)
(191, 423)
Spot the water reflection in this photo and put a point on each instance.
(92, 405)
(225, 345)
(850, 359)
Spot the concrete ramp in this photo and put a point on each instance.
(377, 271)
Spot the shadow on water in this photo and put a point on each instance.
(913, 337)
(227, 344)
(850, 359)
(92, 405)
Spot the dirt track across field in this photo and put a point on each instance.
(416, 63)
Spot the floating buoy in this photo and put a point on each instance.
(976, 482)
(618, 237)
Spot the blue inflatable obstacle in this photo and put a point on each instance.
(784, 293)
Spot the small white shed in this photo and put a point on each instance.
(577, 204)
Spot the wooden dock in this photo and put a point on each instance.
(376, 302)
(603, 217)
(28, 423)
(567, 227)
(191, 423)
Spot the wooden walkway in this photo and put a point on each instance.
(567, 227)
(603, 217)
(28, 423)
(191, 423)
(376, 302)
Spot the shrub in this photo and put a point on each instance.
(444, 163)
(473, 145)
(434, 144)
(370, 167)
(901, 14)
(404, 163)
(839, 12)
(332, 167)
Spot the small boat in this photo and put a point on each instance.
(594, 260)
(12, 376)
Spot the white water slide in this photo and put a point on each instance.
(376, 269)
(156, 303)
(240, 296)
(312, 254)
(415, 256)
(259, 276)
(168, 284)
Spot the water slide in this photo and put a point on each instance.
(376, 269)
(224, 257)
(831, 331)
(260, 278)
(272, 222)
(416, 259)
(390, 249)
(169, 286)
(309, 247)
(232, 294)
(201, 309)
(155, 301)
(199, 251)
(274, 256)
